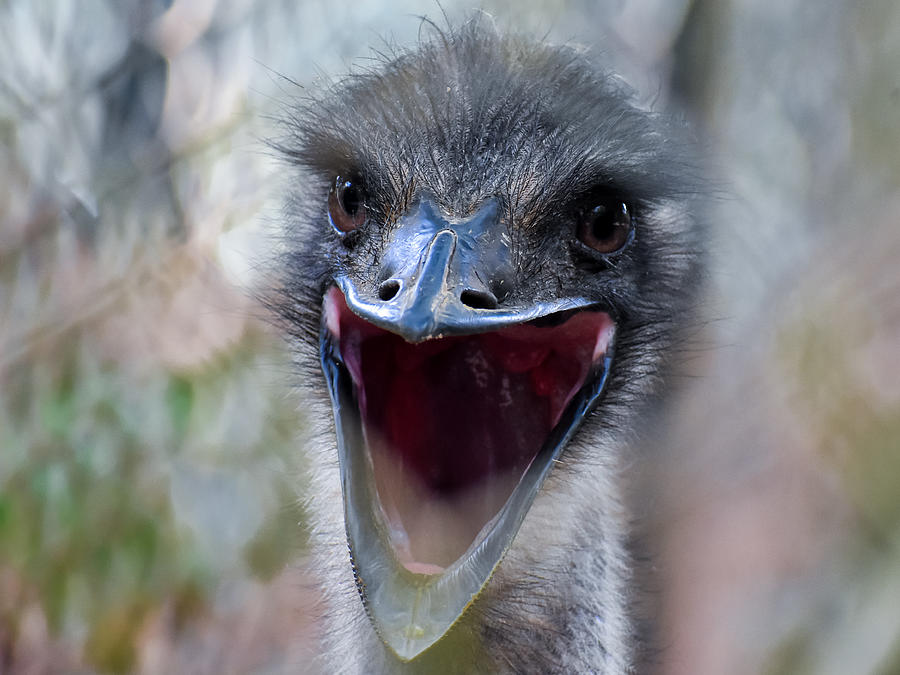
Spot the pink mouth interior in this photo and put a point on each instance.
(452, 424)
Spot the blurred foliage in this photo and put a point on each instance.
(147, 440)
(97, 461)
(853, 431)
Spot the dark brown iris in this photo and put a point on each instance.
(346, 205)
(606, 227)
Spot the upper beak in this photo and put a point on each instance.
(442, 277)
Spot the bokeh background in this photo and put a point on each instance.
(151, 486)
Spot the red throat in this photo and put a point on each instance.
(451, 424)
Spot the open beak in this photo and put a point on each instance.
(451, 399)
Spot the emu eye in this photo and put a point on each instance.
(607, 227)
(346, 205)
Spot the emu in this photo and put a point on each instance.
(492, 253)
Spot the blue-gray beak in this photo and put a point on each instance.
(452, 396)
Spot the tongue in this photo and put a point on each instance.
(452, 424)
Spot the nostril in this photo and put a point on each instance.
(388, 289)
(478, 299)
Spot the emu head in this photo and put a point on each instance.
(489, 250)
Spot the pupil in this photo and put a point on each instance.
(350, 198)
(604, 223)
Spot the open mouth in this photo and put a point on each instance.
(444, 444)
